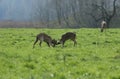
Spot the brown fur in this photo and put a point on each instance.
(44, 37)
(68, 36)
(103, 25)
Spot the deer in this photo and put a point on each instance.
(68, 36)
(103, 25)
(44, 37)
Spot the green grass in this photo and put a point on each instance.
(96, 56)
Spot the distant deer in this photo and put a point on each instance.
(68, 36)
(103, 25)
(44, 37)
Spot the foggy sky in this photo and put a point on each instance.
(18, 10)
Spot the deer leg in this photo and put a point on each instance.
(40, 43)
(102, 29)
(75, 42)
(35, 42)
(63, 42)
(48, 44)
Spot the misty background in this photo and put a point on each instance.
(18, 10)
(59, 13)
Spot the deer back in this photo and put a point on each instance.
(44, 37)
(68, 35)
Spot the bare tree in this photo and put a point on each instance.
(79, 13)
(104, 13)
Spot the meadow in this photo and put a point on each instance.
(96, 56)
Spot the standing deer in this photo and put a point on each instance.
(103, 25)
(44, 37)
(68, 36)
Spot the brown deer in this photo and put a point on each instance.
(68, 36)
(44, 37)
(103, 25)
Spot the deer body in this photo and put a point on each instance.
(44, 37)
(103, 25)
(68, 36)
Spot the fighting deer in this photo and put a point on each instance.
(103, 25)
(44, 37)
(68, 36)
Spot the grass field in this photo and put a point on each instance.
(96, 56)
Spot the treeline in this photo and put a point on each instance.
(78, 13)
